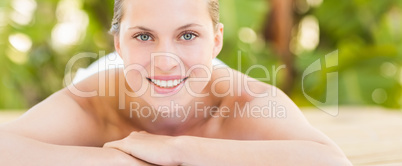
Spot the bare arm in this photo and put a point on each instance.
(58, 120)
(61, 130)
(274, 152)
(16, 150)
(189, 150)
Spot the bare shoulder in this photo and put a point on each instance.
(263, 112)
(59, 119)
(100, 96)
(68, 117)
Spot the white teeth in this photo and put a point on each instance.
(163, 84)
(170, 83)
(167, 83)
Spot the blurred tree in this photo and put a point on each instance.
(39, 37)
(277, 29)
(368, 36)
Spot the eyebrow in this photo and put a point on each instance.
(180, 28)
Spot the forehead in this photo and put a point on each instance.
(165, 13)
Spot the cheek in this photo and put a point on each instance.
(136, 57)
(135, 76)
(198, 53)
(136, 60)
(200, 75)
(199, 59)
(134, 53)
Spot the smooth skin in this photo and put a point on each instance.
(69, 129)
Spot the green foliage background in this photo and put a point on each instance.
(367, 34)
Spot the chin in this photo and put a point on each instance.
(168, 104)
(181, 98)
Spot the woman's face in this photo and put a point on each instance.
(167, 48)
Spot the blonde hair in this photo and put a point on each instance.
(213, 6)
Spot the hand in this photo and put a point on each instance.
(116, 157)
(156, 149)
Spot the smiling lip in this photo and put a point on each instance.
(167, 84)
(167, 77)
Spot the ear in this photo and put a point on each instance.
(218, 40)
(117, 45)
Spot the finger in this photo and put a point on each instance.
(127, 145)
(110, 144)
(143, 132)
(119, 145)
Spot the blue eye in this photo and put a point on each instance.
(144, 37)
(188, 36)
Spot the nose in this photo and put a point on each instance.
(165, 59)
